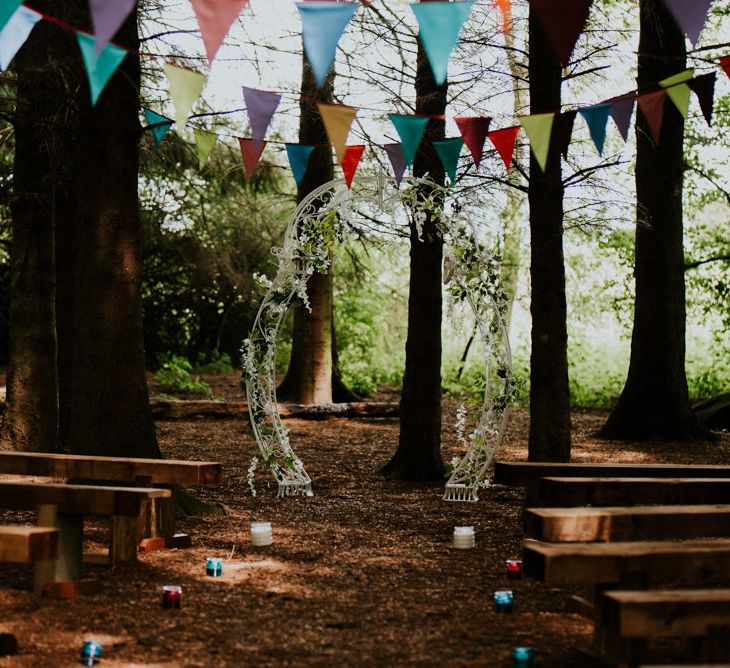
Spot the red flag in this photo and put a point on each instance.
(725, 64)
(563, 22)
(474, 130)
(351, 161)
(251, 154)
(504, 142)
(652, 106)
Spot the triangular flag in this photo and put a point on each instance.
(564, 130)
(678, 91)
(299, 155)
(504, 141)
(99, 69)
(652, 106)
(215, 18)
(725, 64)
(505, 7)
(563, 22)
(704, 88)
(539, 128)
(597, 117)
(15, 32)
(322, 26)
(448, 151)
(260, 105)
(204, 143)
(439, 24)
(107, 18)
(351, 161)
(474, 130)
(158, 124)
(337, 119)
(690, 16)
(185, 87)
(7, 9)
(397, 161)
(410, 130)
(621, 111)
(251, 155)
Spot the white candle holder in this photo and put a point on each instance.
(261, 534)
(463, 538)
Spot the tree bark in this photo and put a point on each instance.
(418, 457)
(549, 438)
(655, 401)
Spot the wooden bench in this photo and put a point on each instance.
(611, 524)
(28, 545)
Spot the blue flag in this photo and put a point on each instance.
(15, 32)
(7, 9)
(158, 124)
(410, 130)
(448, 151)
(99, 69)
(299, 155)
(597, 117)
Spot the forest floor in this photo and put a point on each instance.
(361, 574)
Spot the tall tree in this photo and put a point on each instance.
(654, 402)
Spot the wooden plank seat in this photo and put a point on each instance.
(611, 524)
(27, 545)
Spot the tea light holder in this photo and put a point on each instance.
(90, 652)
(463, 538)
(514, 569)
(522, 657)
(261, 534)
(503, 601)
(214, 567)
(172, 597)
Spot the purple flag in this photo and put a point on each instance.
(108, 18)
(704, 88)
(261, 105)
(690, 16)
(397, 160)
(621, 111)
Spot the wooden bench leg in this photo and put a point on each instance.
(67, 568)
(126, 534)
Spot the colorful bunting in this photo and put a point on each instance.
(690, 16)
(439, 24)
(504, 141)
(505, 7)
(410, 129)
(107, 18)
(597, 117)
(337, 119)
(725, 64)
(260, 105)
(299, 155)
(564, 130)
(678, 91)
(652, 106)
(704, 88)
(7, 9)
(322, 26)
(251, 155)
(158, 124)
(397, 161)
(351, 161)
(99, 69)
(563, 22)
(474, 130)
(204, 143)
(15, 32)
(539, 128)
(448, 151)
(621, 111)
(185, 87)
(215, 18)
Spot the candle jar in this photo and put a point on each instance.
(90, 652)
(522, 657)
(261, 534)
(172, 596)
(213, 567)
(463, 538)
(503, 601)
(514, 569)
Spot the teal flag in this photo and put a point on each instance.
(7, 9)
(299, 155)
(158, 124)
(597, 117)
(448, 151)
(99, 69)
(439, 24)
(14, 34)
(410, 130)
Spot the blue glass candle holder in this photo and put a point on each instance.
(90, 653)
(522, 657)
(503, 601)
(213, 567)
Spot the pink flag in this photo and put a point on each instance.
(214, 18)
(260, 105)
(251, 155)
(563, 22)
(107, 18)
(504, 142)
(474, 130)
(351, 161)
(652, 106)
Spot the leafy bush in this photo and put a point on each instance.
(217, 363)
(174, 376)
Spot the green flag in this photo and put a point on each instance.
(204, 143)
(678, 91)
(539, 127)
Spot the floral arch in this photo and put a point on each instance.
(327, 217)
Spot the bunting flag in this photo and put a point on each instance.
(260, 105)
(704, 88)
(474, 130)
(596, 117)
(410, 129)
(251, 155)
(652, 106)
(158, 124)
(185, 87)
(439, 24)
(397, 161)
(539, 128)
(7, 9)
(678, 91)
(99, 69)
(215, 18)
(15, 32)
(299, 155)
(690, 16)
(621, 111)
(504, 141)
(351, 161)
(505, 8)
(564, 130)
(563, 22)
(448, 151)
(322, 26)
(725, 64)
(204, 143)
(107, 18)
(337, 119)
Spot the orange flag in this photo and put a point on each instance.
(351, 161)
(337, 119)
(505, 7)
(251, 153)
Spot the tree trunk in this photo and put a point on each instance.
(549, 438)
(418, 457)
(655, 402)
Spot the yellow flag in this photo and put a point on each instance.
(539, 127)
(337, 119)
(678, 91)
(185, 87)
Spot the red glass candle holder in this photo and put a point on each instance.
(514, 569)
(172, 597)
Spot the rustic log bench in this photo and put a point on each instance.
(28, 545)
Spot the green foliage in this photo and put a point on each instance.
(217, 363)
(174, 376)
